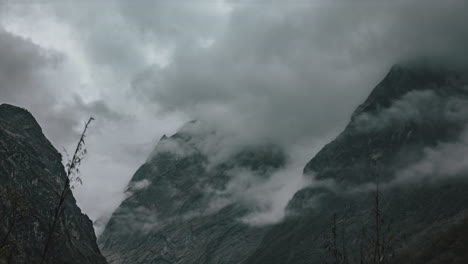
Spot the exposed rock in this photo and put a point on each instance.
(31, 170)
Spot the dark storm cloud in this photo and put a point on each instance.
(297, 69)
(172, 22)
(32, 77)
(27, 79)
(120, 35)
(23, 80)
(21, 64)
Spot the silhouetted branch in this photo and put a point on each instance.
(375, 246)
(72, 173)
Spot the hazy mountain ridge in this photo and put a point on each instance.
(31, 166)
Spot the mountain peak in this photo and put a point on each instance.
(31, 166)
(17, 118)
(411, 100)
(398, 138)
(204, 186)
(412, 76)
(16, 115)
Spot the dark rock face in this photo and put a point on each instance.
(413, 110)
(31, 170)
(180, 209)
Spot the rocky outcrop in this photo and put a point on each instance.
(31, 179)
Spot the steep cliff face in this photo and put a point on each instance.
(31, 178)
(183, 206)
(398, 137)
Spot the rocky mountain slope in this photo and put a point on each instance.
(183, 206)
(407, 137)
(31, 178)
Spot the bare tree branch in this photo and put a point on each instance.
(72, 173)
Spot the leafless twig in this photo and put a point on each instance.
(72, 173)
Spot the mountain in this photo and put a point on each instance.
(406, 138)
(187, 203)
(401, 155)
(31, 179)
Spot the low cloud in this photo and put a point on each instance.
(287, 72)
(259, 178)
(444, 107)
(265, 195)
(175, 147)
(270, 198)
(446, 160)
(427, 106)
(137, 186)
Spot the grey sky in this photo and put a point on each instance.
(290, 72)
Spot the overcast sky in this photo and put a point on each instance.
(289, 72)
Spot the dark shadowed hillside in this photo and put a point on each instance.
(31, 179)
(445, 243)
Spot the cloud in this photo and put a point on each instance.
(270, 198)
(31, 76)
(445, 107)
(265, 194)
(139, 185)
(259, 178)
(444, 161)
(175, 23)
(418, 107)
(47, 67)
(34, 77)
(27, 73)
(294, 71)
